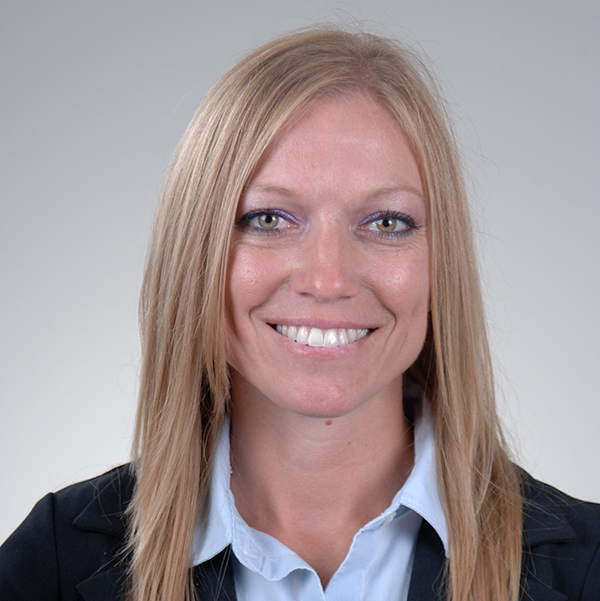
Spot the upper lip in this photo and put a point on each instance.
(322, 324)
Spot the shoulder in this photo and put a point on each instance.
(67, 536)
(561, 537)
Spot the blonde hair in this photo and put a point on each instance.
(185, 387)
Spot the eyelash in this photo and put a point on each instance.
(245, 222)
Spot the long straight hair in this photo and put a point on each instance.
(185, 387)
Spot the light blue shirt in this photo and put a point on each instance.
(379, 562)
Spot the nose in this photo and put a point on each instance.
(327, 266)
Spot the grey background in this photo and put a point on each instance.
(96, 94)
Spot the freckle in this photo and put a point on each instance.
(328, 422)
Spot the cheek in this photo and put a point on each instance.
(246, 269)
(251, 281)
(407, 285)
(410, 306)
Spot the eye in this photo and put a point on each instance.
(264, 222)
(267, 221)
(389, 224)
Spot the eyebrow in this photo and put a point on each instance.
(373, 195)
(269, 189)
(394, 190)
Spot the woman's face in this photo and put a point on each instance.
(328, 285)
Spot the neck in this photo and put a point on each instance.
(310, 480)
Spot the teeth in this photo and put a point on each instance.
(331, 339)
(321, 338)
(315, 338)
(302, 335)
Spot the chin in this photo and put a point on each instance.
(333, 403)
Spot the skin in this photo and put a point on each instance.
(319, 441)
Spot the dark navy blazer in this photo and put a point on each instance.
(68, 549)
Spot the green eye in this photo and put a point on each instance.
(387, 224)
(267, 221)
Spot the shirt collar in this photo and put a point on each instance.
(214, 529)
(420, 493)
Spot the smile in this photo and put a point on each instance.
(322, 338)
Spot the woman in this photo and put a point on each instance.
(317, 406)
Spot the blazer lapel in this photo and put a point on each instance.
(213, 581)
(214, 578)
(104, 515)
(544, 523)
(427, 579)
(536, 591)
(107, 584)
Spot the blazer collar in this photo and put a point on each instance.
(545, 514)
(104, 513)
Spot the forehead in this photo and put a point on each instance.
(339, 145)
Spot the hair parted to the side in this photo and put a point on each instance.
(185, 387)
